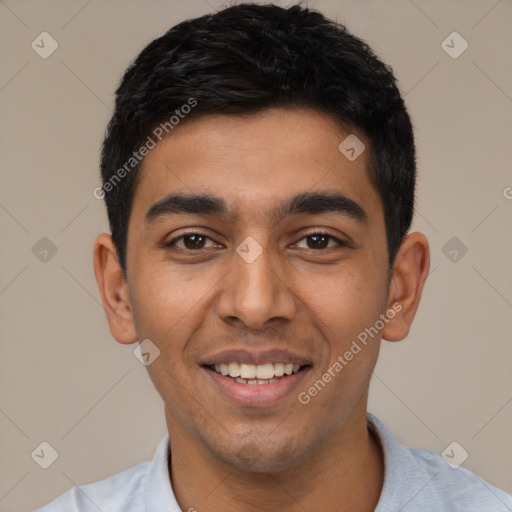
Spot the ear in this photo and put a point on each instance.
(410, 270)
(114, 290)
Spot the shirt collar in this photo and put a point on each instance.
(159, 493)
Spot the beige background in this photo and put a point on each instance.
(64, 379)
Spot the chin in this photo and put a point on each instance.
(257, 453)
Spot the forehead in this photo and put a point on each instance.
(253, 161)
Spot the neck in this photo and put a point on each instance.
(342, 473)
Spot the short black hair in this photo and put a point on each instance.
(245, 59)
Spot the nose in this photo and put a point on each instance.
(256, 292)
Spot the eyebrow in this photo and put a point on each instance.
(312, 203)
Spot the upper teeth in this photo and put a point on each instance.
(256, 371)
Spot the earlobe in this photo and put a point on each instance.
(114, 290)
(410, 270)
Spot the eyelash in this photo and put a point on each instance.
(173, 242)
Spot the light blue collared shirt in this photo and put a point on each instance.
(414, 481)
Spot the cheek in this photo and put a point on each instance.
(162, 298)
(350, 299)
(170, 303)
(349, 305)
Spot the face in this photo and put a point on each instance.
(277, 265)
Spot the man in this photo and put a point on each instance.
(259, 175)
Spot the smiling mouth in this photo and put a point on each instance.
(256, 374)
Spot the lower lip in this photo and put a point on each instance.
(255, 394)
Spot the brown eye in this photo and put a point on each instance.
(190, 241)
(193, 241)
(318, 241)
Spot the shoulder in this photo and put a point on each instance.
(418, 480)
(145, 486)
(455, 488)
(121, 492)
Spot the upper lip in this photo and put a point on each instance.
(254, 357)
